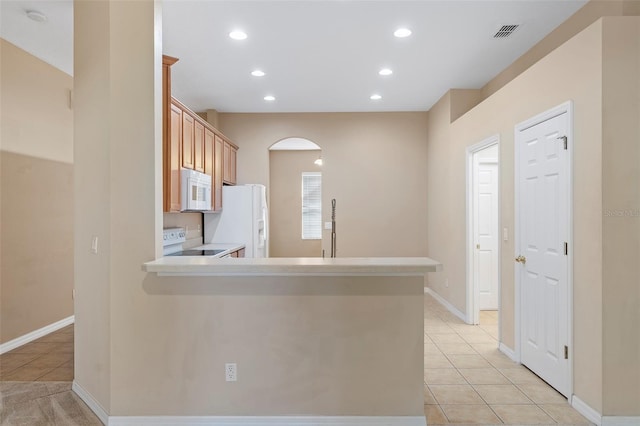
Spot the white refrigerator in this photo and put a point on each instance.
(244, 219)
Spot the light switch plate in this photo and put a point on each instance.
(327, 225)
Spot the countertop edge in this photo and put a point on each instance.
(388, 266)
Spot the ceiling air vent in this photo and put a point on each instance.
(506, 30)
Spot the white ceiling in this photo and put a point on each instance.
(317, 55)
(51, 41)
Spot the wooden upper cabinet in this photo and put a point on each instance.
(198, 147)
(190, 142)
(172, 175)
(210, 162)
(209, 153)
(226, 166)
(171, 141)
(188, 130)
(234, 165)
(217, 172)
(230, 160)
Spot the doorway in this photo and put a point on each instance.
(295, 188)
(543, 147)
(483, 247)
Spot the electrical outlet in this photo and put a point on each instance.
(231, 372)
(446, 282)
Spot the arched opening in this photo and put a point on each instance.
(295, 198)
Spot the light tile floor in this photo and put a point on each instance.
(469, 381)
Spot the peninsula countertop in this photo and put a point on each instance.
(281, 266)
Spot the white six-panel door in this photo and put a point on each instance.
(486, 231)
(542, 228)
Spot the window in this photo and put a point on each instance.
(312, 206)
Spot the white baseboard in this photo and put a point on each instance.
(36, 334)
(620, 421)
(269, 420)
(243, 420)
(446, 304)
(508, 352)
(91, 402)
(588, 412)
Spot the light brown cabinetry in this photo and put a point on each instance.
(211, 158)
(230, 161)
(171, 141)
(188, 128)
(198, 147)
(172, 192)
(217, 172)
(237, 253)
(190, 142)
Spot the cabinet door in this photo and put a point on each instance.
(172, 172)
(188, 124)
(233, 165)
(227, 162)
(218, 172)
(230, 159)
(209, 162)
(198, 147)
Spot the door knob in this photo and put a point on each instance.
(521, 259)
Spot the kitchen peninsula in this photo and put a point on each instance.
(314, 338)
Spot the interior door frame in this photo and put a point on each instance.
(566, 107)
(473, 291)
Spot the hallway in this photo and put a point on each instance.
(469, 381)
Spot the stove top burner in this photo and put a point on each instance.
(196, 253)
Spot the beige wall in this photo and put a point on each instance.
(621, 218)
(36, 264)
(305, 345)
(374, 166)
(118, 189)
(285, 203)
(598, 71)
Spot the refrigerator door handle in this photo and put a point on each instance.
(260, 233)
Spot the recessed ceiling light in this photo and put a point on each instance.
(34, 15)
(269, 98)
(402, 32)
(238, 35)
(385, 71)
(375, 97)
(257, 73)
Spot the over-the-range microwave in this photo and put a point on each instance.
(195, 191)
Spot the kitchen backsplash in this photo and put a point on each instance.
(191, 222)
